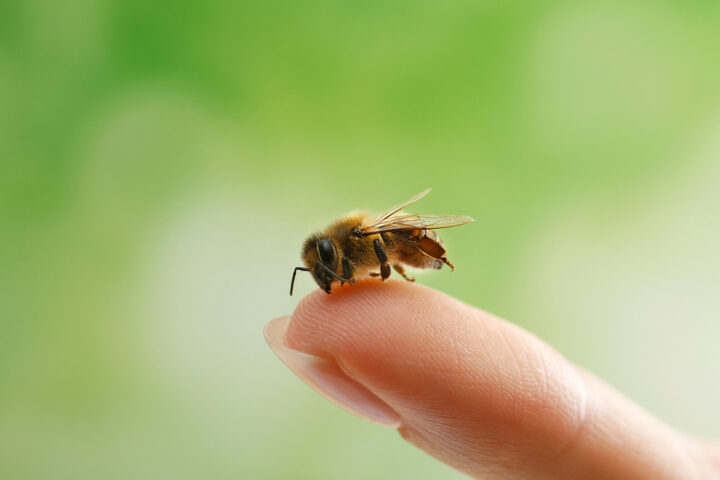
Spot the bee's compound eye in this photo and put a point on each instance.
(326, 250)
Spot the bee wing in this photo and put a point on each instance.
(392, 211)
(412, 222)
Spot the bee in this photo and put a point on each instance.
(360, 246)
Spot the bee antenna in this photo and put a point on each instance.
(292, 283)
(333, 273)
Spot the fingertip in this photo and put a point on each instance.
(477, 392)
(451, 371)
(326, 377)
(369, 311)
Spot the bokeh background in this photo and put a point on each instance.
(161, 163)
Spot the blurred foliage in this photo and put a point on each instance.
(161, 163)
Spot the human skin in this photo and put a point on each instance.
(478, 393)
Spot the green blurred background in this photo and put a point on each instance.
(162, 162)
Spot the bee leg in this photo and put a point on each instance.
(401, 271)
(347, 270)
(382, 256)
(447, 262)
(374, 274)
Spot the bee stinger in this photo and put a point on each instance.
(359, 246)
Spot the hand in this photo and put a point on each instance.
(473, 390)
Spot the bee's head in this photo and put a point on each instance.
(321, 259)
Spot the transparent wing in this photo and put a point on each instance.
(412, 222)
(392, 211)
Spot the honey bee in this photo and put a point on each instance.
(359, 246)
